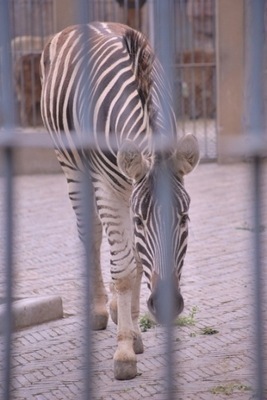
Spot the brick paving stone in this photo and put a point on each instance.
(218, 277)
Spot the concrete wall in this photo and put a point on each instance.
(230, 68)
(31, 161)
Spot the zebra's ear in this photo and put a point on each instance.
(131, 161)
(186, 158)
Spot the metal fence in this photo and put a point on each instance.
(194, 76)
(33, 22)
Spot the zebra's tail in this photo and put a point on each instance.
(142, 58)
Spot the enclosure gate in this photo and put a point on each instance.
(194, 81)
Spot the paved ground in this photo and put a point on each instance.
(217, 279)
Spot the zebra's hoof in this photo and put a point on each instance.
(99, 321)
(125, 362)
(125, 369)
(138, 344)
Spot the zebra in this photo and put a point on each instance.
(105, 78)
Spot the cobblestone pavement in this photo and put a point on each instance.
(217, 279)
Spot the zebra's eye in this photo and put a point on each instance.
(138, 222)
(184, 219)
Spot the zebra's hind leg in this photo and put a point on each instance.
(99, 313)
(113, 307)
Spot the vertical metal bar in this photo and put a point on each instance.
(8, 227)
(182, 47)
(84, 8)
(164, 36)
(254, 62)
(8, 107)
(151, 21)
(163, 193)
(85, 12)
(8, 121)
(255, 128)
(192, 92)
(258, 276)
(88, 212)
(164, 44)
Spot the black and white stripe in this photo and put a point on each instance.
(150, 225)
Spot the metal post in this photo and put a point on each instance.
(164, 37)
(8, 227)
(255, 128)
(257, 171)
(163, 193)
(84, 10)
(8, 113)
(88, 212)
(6, 79)
(164, 44)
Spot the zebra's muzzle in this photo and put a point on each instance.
(165, 303)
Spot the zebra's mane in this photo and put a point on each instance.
(142, 58)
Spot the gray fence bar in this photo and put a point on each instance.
(163, 193)
(164, 28)
(164, 37)
(164, 47)
(88, 212)
(258, 277)
(7, 110)
(84, 14)
(8, 273)
(6, 78)
(255, 11)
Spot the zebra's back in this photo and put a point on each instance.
(101, 80)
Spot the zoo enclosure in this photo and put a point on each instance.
(224, 108)
(208, 99)
(194, 55)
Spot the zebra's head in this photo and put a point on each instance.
(159, 207)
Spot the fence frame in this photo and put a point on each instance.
(11, 140)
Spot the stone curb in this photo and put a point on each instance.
(33, 311)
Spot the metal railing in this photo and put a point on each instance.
(9, 140)
(256, 129)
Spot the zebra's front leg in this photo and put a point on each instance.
(123, 272)
(135, 308)
(125, 361)
(98, 306)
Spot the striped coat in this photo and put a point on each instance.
(101, 83)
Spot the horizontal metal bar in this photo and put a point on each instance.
(25, 139)
(231, 145)
(194, 65)
(244, 146)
